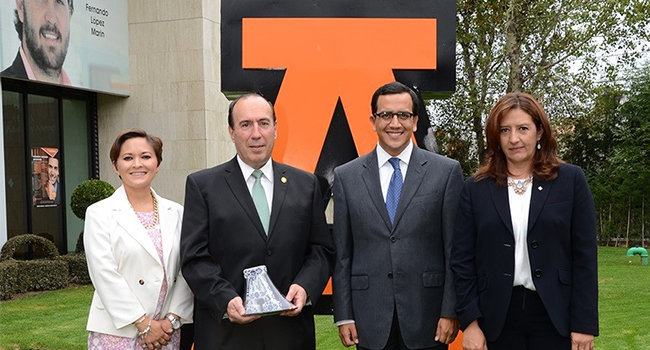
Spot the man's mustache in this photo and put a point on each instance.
(49, 28)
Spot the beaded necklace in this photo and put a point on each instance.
(154, 223)
(520, 186)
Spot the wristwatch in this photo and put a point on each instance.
(176, 324)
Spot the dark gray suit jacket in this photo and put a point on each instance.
(222, 235)
(380, 268)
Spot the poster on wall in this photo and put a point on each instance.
(45, 177)
(67, 42)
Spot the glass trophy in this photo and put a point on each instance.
(262, 297)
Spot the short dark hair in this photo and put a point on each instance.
(19, 25)
(155, 142)
(393, 88)
(231, 107)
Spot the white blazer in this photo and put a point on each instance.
(125, 268)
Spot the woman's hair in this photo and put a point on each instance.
(155, 142)
(545, 161)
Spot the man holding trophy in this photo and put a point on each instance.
(248, 212)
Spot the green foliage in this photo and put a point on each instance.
(13, 244)
(8, 278)
(79, 248)
(19, 276)
(552, 49)
(77, 268)
(612, 144)
(87, 193)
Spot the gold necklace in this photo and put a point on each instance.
(520, 186)
(154, 223)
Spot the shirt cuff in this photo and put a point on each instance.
(342, 322)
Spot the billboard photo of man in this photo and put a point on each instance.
(43, 27)
(45, 174)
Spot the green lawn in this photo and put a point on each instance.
(56, 320)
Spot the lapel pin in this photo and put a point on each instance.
(283, 179)
(540, 188)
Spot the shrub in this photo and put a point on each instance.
(19, 276)
(77, 268)
(87, 193)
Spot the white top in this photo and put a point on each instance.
(386, 169)
(266, 180)
(519, 208)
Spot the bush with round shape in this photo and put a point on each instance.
(87, 193)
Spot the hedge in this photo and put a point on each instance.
(77, 268)
(20, 276)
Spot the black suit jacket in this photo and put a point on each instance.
(562, 248)
(382, 268)
(17, 69)
(222, 235)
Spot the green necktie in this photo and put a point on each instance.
(259, 198)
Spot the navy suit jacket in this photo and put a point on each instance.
(222, 235)
(562, 248)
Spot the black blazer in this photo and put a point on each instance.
(17, 69)
(562, 247)
(222, 235)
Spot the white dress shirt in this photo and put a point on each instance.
(519, 208)
(266, 180)
(386, 169)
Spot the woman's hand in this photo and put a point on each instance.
(158, 335)
(473, 337)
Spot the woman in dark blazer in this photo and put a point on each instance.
(525, 248)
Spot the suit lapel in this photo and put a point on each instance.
(237, 185)
(370, 176)
(279, 192)
(168, 219)
(499, 196)
(414, 176)
(129, 221)
(538, 197)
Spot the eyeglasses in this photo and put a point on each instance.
(388, 115)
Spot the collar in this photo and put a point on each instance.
(247, 170)
(63, 79)
(405, 156)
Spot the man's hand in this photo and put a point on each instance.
(298, 297)
(348, 334)
(581, 341)
(236, 312)
(447, 330)
(473, 337)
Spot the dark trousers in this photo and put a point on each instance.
(528, 326)
(395, 341)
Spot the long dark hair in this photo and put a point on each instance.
(545, 160)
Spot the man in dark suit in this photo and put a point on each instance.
(230, 223)
(393, 223)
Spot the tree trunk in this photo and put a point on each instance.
(629, 218)
(513, 47)
(643, 221)
(600, 223)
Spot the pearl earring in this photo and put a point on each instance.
(538, 145)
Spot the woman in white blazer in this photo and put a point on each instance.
(132, 244)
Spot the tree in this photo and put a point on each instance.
(549, 48)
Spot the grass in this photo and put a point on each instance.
(56, 320)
